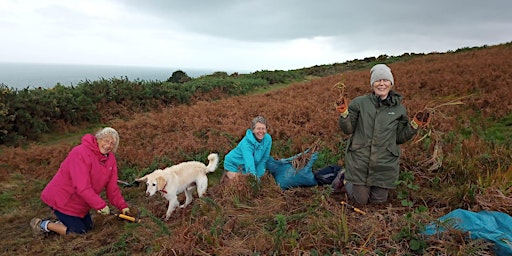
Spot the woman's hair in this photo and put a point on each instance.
(108, 132)
(258, 119)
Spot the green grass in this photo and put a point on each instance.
(500, 132)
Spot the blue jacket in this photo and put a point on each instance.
(250, 155)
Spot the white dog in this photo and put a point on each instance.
(179, 178)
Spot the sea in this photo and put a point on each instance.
(35, 75)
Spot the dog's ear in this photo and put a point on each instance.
(143, 179)
(160, 181)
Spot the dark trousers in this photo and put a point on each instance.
(75, 224)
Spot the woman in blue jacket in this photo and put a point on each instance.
(252, 152)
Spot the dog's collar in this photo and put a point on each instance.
(163, 191)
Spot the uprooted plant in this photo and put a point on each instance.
(341, 87)
(427, 114)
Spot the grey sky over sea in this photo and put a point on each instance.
(23, 75)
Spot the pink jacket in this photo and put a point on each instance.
(82, 176)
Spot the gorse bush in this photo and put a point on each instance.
(6, 118)
(227, 85)
(278, 76)
(179, 77)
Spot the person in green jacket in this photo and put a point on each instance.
(378, 124)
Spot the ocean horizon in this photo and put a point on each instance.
(35, 75)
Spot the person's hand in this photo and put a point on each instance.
(125, 211)
(342, 106)
(421, 119)
(104, 211)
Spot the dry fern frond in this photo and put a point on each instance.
(436, 160)
(493, 199)
(436, 104)
(300, 161)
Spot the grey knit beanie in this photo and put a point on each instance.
(381, 71)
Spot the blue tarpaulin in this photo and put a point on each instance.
(490, 225)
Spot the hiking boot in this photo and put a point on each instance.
(35, 224)
(339, 182)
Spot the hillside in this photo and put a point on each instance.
(461, 161)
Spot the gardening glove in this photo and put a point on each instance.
(342, 107)
(125, 211)
(421, 119)
(104, 211)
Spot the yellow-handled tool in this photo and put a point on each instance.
(129, 218)
(353, 208)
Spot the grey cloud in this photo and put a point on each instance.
(249, 32)
(268, 20)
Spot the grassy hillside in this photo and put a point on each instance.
(462, 160)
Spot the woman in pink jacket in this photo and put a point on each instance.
(90, 168)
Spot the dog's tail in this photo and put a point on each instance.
(213, 162)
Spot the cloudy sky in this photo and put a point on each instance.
(242, 35)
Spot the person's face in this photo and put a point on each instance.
(106, 144)
(381, 88)
(259, 130)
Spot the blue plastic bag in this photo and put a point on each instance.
(288, 177)
(490, 225)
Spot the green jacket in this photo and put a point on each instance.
(378, 127)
